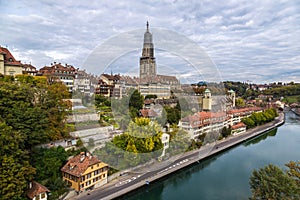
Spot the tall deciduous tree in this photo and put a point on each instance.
(271, 182)
(15, 170)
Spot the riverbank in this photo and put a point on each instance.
(296, 111)
(130, 182)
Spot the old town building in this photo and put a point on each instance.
(84, 171)
(8, 64)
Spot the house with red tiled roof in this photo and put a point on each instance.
(84, 171)
(238, 128)
(29, 69)
(8, 64)
(148, 113)
(37, 191)
(205, 122)
(59, 73)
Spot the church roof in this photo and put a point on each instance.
(147, 35)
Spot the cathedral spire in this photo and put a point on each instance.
(147, 61)
(147, 26)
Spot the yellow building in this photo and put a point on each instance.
(84, 171)
(8, 64)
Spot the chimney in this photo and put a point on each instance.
(82, 156)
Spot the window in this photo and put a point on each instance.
(81, 186)
(82, 178)
(43, 195)
(88, 183)
(88, 176)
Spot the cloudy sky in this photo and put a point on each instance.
(254, 41)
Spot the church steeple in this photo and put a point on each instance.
(147, 26)
(147, 61)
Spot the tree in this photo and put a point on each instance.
(179, 142)
(140, 143)
(48, 163)
(151, 96)
(136, 100)
(34, 108)
(226, 132)
(294, 171)
(173, 114)
(15, 170)
(239, 102)
(271, 182)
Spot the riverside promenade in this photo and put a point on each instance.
(151, 173)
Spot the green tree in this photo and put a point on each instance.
(240, 102)
(151, 96)
(15, 170)
(294, 171)
(34, 108)
(136, 100)
(48, 162)
(226, 132)
(173, 114)
(271, 182)
(179, 142)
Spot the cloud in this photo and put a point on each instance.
(245, 39)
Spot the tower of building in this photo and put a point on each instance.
(207, 100)
(147, 61)
(231, 95)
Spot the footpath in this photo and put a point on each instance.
(150, 173)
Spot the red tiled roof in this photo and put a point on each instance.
(148, 113)
(8, 57)
(244, 110)
(36, 189)
(238, 125)
(203, 118)
(79, 164)
(28, 66)
(57, 68)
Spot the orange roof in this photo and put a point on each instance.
(238, 125)
(57, 67)
(148, 113)
(29, 66)
(79, 164)
(8, 57)
(244, 110)
(36, 189)
(202, 118)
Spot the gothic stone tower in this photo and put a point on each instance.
(147, 61)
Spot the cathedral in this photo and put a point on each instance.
(148, 72)
(147, 61)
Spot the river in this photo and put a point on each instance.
(226, 175)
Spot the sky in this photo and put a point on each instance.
(249, 41)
